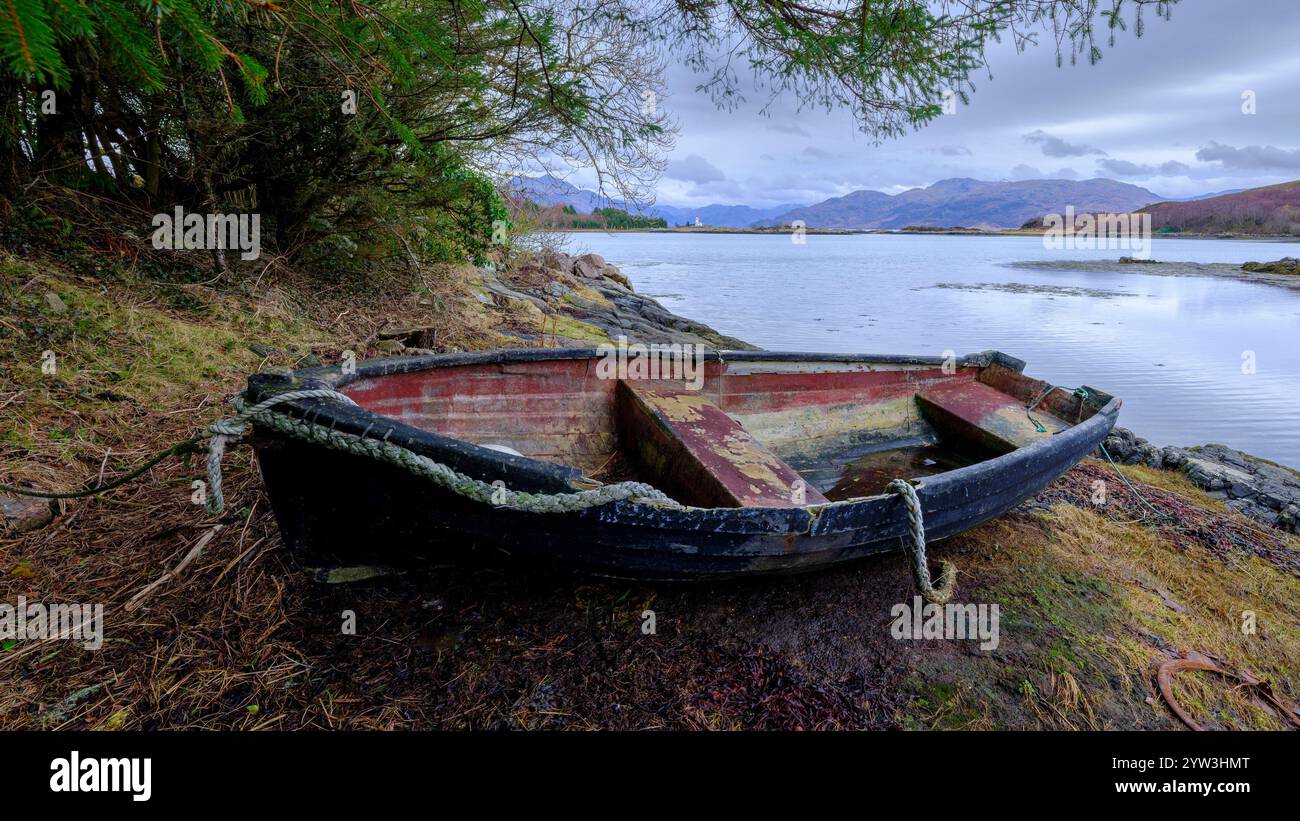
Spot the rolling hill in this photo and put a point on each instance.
(548, 190)
(1272, 210)
(968, 203)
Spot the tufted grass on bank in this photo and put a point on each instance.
(1092, 600)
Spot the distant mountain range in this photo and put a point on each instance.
(957, 202)
(967, 203)
(549, 190)
(1271, 210)
(1207, 196)
(728, 216)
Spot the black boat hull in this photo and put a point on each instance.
(342, 508)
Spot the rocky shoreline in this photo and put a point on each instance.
(1264, 491)
(597, 296)
(1276, 273)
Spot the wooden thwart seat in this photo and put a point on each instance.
(700, 455)
(977, 412)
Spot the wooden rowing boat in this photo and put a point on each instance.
(778, 460)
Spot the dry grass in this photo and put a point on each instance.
(1105, 596)
(235, 637)
(141, 365)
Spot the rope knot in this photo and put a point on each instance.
(227, 427)
(223, 430)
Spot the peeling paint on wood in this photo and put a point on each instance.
(755, 412)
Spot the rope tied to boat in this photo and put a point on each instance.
(444, 476)
(1082, 393)
(920, 564)
(223, 430)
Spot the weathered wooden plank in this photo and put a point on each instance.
(689, 445)
(978, 412)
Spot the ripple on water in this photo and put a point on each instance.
(1171, 347)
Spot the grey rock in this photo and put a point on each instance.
(21, 514)
(1253, 510)
(56, 304)
(1172, 458)
(1126, 448)
(589, 266)
(1273, 495)
(1263, 491)
(1240, 490)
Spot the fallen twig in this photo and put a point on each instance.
(194, 553)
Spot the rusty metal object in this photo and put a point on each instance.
(1196, 661)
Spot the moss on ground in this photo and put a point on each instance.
(570, 328)
(1091, 606)
(1092, 600)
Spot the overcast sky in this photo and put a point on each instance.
(1163, 112)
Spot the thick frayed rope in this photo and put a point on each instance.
(224, 430)
(920, 566)
(441, 475)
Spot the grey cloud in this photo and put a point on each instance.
(789, 128)
(813, 152)
(1253, 157)
(1066, 174)
(694, 168)
(1124, 168)
(1025, 172)
(1145, 100)
(1057, 147)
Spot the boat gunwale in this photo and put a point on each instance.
(758, 519)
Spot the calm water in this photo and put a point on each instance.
(1171, 347)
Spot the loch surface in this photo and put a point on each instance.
(1178, 350)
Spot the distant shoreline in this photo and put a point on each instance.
(943, 232)
(714, 229)
(1164, 268)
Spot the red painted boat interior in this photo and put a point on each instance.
(749, 435)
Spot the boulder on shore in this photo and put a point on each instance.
(1258, 488)
(1285, 265)
(590, 290)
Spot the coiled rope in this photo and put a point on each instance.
(920, 565)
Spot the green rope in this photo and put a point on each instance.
(1082, 393)
(1131, 486)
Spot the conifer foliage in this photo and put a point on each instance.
(365, 128)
